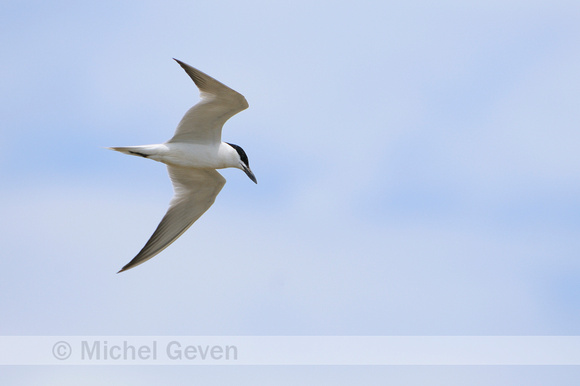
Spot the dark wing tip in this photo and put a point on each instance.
(182, 64)
(195, 75)
(133, 263)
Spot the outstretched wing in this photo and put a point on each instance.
(195, 191)
(203, 122)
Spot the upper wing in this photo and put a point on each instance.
(203, 122)
(195, 191)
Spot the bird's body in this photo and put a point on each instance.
(192, 156)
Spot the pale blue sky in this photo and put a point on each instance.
(417, 163)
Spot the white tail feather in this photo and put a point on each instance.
(141, 151)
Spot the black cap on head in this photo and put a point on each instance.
(245, 162)
(241, 153)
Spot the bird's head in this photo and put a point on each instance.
(244, 163)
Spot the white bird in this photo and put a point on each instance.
(192, 157)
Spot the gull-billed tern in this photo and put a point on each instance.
(192, 157)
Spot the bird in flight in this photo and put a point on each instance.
(192, 157)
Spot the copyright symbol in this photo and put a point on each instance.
(61, 350)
